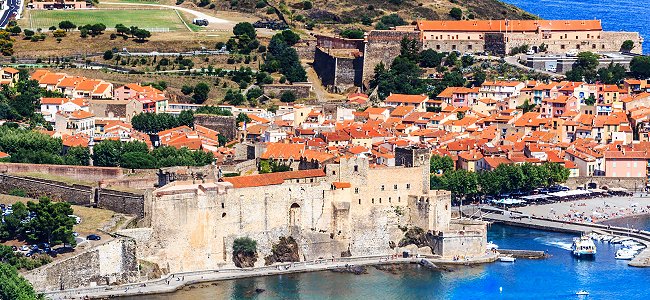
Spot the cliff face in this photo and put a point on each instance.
(286, 250)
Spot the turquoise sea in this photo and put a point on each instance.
(558, 277)
(616, 15)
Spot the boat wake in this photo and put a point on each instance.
(556, 243)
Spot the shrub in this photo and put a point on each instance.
(244, 245)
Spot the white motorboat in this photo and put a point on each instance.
(636, 247)
(625, 254)
(606, 238)
(491, 246)
(582, 293)
(629, 243)
(619, 240)
(507, 258)
(583, 246)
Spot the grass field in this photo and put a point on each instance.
(143, 18)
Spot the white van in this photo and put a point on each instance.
(530, 52)
(572, 53)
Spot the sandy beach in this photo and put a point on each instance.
(591, 210)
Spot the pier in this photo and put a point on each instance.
(515, 218)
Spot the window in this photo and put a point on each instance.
(593, 46)
(333, 172)
(437, 47)
(379, 200)
(373, 200)
(223, 205)
(395, 187)
(469, 47)
(382, 187)
(399, 199)
(356, 168)
(389, 200)
(356, 190)
(614, 164)
(359, 201)
(453, 47)
(562, 47)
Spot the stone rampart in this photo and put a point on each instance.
(83, 173)
(122, 202)
(113, 262)
(57, 191)
(299, 89)
(383, 46)
(226, 125)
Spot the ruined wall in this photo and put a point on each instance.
(82, 173)
(226, 125)
(383, 46)
(57, 191)
(113, 262)
(325, 67)
(339, 43)
(301, 90)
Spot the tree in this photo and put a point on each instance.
(242, 117)
(186, 118)
(108, 55)
(67, 25)
(307, 5)
(352, 33)
(97, 29)
(461, 183)
(201, 91)
(59, 33)
(78, 156)
(28, 33)
(51, 223)
(429, 58)
(612, 74)
(627, 46)
(479, 78)
(388, 21)
(640, 66)
(467, 60)
(141, 34)
(290, 37)
(137, 160)
(14, 286)
(107, 153)
(186, 89)
(122, 29)
(441, 164)
(234, 98)
(288, 97)
(254, 93)
(456, 13)
(244, 28)
(12, 227)
(591, 100)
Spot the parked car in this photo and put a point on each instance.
(24, 248)
(93, 237)
(64, 249)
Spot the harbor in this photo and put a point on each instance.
(517, 217)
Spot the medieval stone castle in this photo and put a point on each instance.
(344, 63)
(349, 208)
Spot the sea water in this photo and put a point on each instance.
(616, 15)
(558, 277)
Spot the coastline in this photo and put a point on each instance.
(177, 281)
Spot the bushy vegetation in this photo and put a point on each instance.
(153, 122)
(506, 178)
(213, 110)
(39, 222)
(244, 245)
(136, 155)
(283, 58)
(27, 146)
(272, 166)
(15, 286)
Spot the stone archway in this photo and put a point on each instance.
(294, 215)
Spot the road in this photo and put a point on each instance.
(514, 60)
(13, 8)
(198, 14)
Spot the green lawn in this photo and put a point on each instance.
(153, 18)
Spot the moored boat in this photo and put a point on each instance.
(583, 247)
(625, 254)
(507, 258)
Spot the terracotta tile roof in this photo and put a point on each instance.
(402, 98)
(87, 85)
(4, 155)
(632, 155)
(271, 178)
(283, 151)
(10, 70)
(341, 185)
(77, 140)
(402, 111)
(510, 25)
(81, 114)
(53, 101)
(494, 162)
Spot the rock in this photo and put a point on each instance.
(346, 253)
(259, 291)
(391, 268)
(244, 260)
(428, 264)
(286, 250)
(416, 236)
(356, 270)
(426, 250)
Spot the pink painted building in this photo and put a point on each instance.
(626, 163)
